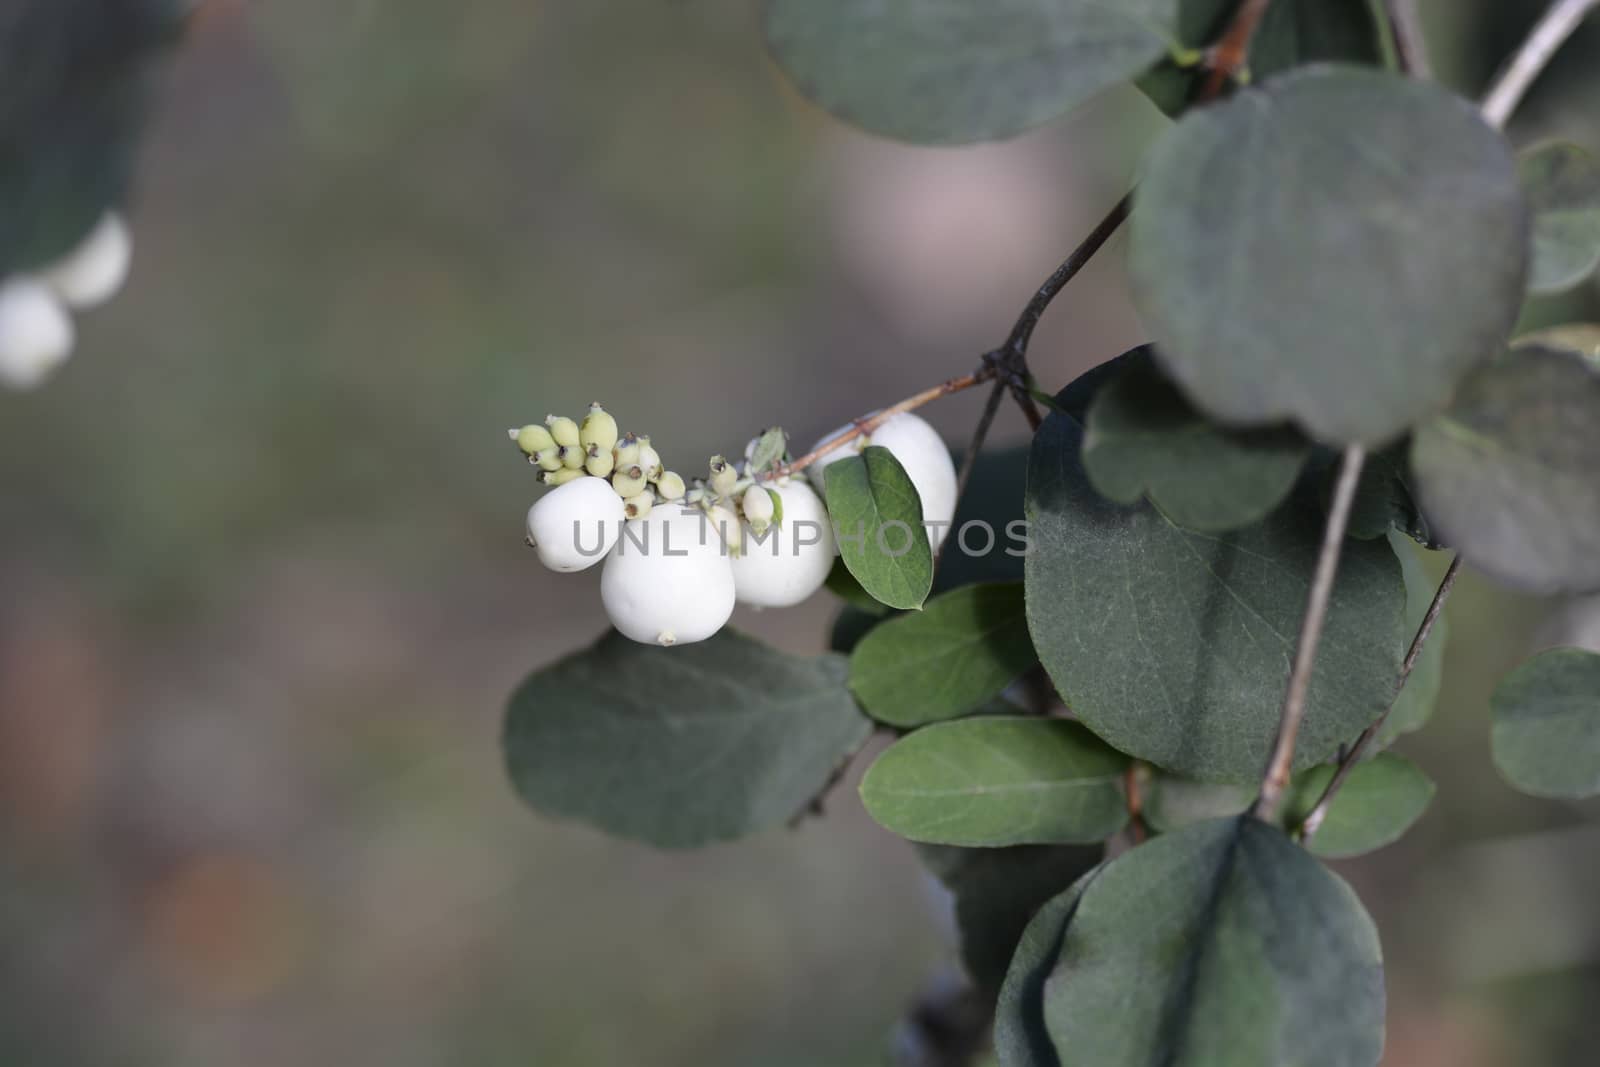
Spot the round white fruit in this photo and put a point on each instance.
(574, 525)
(35, 333)
(93, 272)
(791, 560)
(669, 580)
(922, 452)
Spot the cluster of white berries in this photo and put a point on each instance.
(678, 557)
(36, 329)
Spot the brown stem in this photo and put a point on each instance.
(1276, 778)
(991, 407)
(1411, 49)
(1230, 54)
(1319, 811)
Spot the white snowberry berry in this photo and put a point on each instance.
(667, 581)
(791, 560)
(574, 525)
(35, 333)
(922, 452)
(92, 272)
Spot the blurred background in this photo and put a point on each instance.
(263, 589)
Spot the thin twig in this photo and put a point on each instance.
(969, 462)
(1411, 48)
(867, 423)
(1022, 332)
(1352, 756)
(1276, 778)
(1230, 54)
(1546, 38)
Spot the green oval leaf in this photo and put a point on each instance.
(684, 746)
(1562, 183)
(1020, 1036)
(1143, 438)
(1172, 803)
(1546, 738)
(950, 71)
(997, 891)
(1289, 247)
(1380, 799)
(961, 650)
(1508, 474)
(877, 519)
(1223, 943)
(1174, 645)
(995, 780)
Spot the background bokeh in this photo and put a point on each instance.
(263, 591)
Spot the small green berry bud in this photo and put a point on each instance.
(723, 476)
(726, 524)
(639, 505)
(533, 438)
(670, 485)
(756, 503)
(547, 458)
(627, 452)
(572, 457)
(599, 462)
(560, 477)
(650, 461)
(563, 430)
(628, 483)
(599, 429)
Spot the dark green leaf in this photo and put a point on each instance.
(997, 891)
(682, 746)
(842, 584)
(993, 499)
(77, 79)
(961, 650)
(1171, 803)
(1508, 474)
(1547, 724)
(1378, 802)
(851, 625)
(950, 71)
(1292, 33)
(1562, 183)
(1384, 497)
(1020, 1037)
(1290, 248)
(1144, 439)
(991, 781)
(878, 518)
(1222, 943)
(1414, 706)
(1175, 646)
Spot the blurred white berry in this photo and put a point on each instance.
(667, 581)
(36, 333)
(92, 272)
(574, 525)
(922, 452)
(791, 561)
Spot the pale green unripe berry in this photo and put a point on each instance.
(599, 463)
(533, 438)
(628, 483)
(666, 582)
(92, 272)
(756, 503)
(637, 507)
(670, 485)
(36, 333)
(788, 562)
(562, 476)
(563, 429)
(599, 430)
(626, 453)
(723, 476)
(572, 457)
(649, 461)
(547, 459)
(725, 525)
(574, 526)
